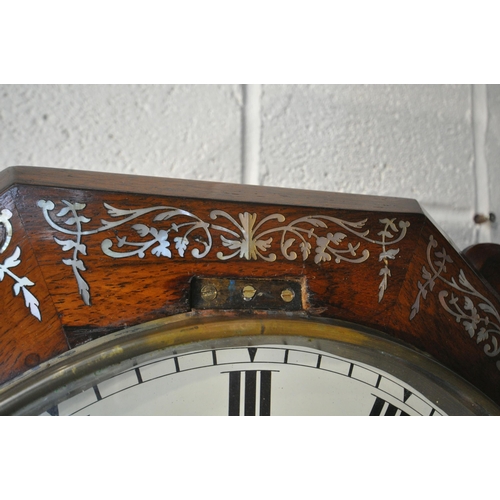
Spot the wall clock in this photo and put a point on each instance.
(144, 296)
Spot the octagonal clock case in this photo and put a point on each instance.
(129, 295)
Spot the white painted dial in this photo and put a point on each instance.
(256, 380)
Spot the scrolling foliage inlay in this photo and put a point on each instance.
(243, 237)
(20, 283)
(473, 310)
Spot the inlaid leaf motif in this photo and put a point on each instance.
(470, 327)
(181, 244)
(141, 229)
(388, 254)
(390, 224)
(486, 328)
(443, 255)
(426, 274)
(385, 271)
(263, 245)
(13, 260)
(305, 247)
(469, 305)
(482, 335)
(162, 238)
(32, 303)
(463, 280)
(336, 238)
(231, 244)
(83, 289)
(321, 254)
(64, 211)
(487, 308)
(116, 212)
(415, 308)
(287, 244)
(69, 244)
(247, 236)
(75, 263)
(73, 220)
(386, 234)
(423, 290)
(20, 283)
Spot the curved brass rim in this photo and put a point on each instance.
(91, 363)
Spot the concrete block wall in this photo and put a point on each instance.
(439, 144)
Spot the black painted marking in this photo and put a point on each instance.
(139, 376)
(54, 411)
(250, 392)
(391, 410)
(318, 364)
(252, 351)
(350, 370)
(214, 357)
(377, 407)
(265, 393)
(378, 381)
(176, 361)
(432, 412)
(257, 385)
(286, 356)
(97, 393)
(407, 394)
(234, 393)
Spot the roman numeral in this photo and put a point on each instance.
(54, 411)
(382, 408)
(97, 392)
(252, 388)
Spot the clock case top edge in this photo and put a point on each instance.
(206, 190)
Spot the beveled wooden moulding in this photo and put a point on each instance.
(84, 254)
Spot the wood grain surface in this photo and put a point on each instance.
(106, 251)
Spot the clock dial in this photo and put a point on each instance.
(253, 365)
(257, 380)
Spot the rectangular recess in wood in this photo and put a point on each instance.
(246, 293)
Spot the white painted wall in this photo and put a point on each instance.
(439, 144)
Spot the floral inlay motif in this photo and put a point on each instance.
(473, 310)
(245, 237)
(21, 284)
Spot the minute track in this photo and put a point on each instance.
(246, 375)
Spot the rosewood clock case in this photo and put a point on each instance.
(85, 254)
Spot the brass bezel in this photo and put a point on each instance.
(74, 371)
